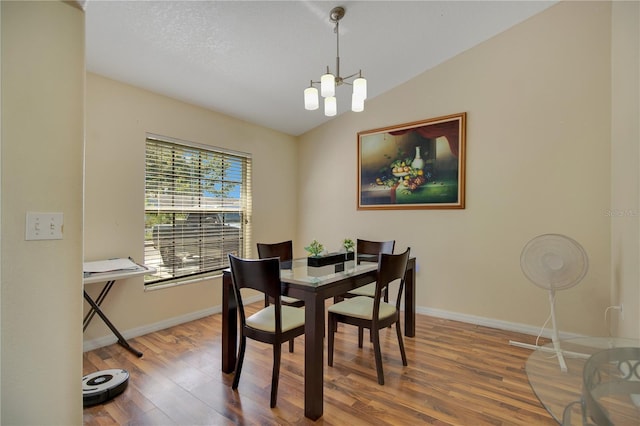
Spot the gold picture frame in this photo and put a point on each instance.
(417, 165)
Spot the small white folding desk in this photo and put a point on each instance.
(98, 272)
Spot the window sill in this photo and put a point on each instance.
(181, 282)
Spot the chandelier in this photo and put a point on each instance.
(328, 82)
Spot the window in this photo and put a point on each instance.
(197, 209)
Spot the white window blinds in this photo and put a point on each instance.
(197, 208)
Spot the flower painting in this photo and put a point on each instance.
(419, 165)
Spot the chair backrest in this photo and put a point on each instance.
(391, 267)
(283, 250)
(257, 274)
(374, 247)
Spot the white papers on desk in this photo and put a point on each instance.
(110, 265)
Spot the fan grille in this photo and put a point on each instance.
(554, 261)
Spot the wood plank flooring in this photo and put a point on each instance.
(458, 374)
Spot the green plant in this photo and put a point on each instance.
(348, 244)
(315, 248)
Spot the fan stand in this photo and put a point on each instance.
(555, 337)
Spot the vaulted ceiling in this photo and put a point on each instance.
(253, 59)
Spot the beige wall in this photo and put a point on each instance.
(118, 118)
(539, 161)
(41, 281)
(538, 101)
(625, 175)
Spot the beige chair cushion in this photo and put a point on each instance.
(265, 319)
(361, 307)
(365, 290)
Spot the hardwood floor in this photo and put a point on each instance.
(458, 374)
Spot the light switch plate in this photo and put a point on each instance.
(44, 226)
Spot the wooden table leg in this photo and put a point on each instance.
(229, 324)
(410, 300)
(313, 357)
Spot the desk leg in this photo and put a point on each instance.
(313, 357)
(121, 339)
(229, 324)
(103, 293)
(410, 300)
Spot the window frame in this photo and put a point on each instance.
(190, 219)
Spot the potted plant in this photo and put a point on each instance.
(317, 256)
(349, 247)
(314, 249)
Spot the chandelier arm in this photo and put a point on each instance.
(350, 76)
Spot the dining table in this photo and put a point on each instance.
(564, 393)
(314, 285)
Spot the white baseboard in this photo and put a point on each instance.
(492, 323)
(89, 345)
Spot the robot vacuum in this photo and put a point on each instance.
(103, 385)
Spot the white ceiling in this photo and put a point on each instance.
(253, 59)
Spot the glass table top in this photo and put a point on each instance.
(298, 272)
(557, 389)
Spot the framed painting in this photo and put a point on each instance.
(418, 165)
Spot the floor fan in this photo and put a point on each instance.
(553, 262)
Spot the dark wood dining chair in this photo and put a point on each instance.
(368, 249)
(274, 324)
(283, 251)
(372, 248)
(372, 312)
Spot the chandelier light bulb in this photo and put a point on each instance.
(360, 87)
(357, 103)
(327, 85)
(311, 98)
(330, 106)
